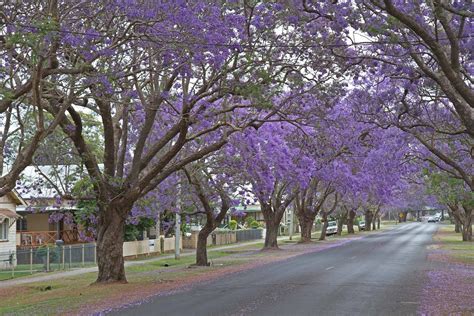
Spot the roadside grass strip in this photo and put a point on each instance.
(449, 287)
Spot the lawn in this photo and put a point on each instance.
(458, 250)
(7, 275)
(450, 282)
(23, 270)
(61, 296)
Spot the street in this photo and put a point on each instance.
(381, 274)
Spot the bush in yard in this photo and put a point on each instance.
(254, 224)
(233, 224)
(249, 220)
(42, 253)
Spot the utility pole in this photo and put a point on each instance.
(177, 236)
(290, 223)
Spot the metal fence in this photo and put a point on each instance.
(45, 259)
(249, 234)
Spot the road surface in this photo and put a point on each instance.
(381, 274)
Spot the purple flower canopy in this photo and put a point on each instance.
(367, 123)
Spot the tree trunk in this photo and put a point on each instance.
(467, 233)
(378, 222)
(110, 231)
(467, 225)
(325, 226)
(340, 224)
(374, 227)
(201, 248)
(455, 217)
(350, 222)
(457, 226)
(306, 228)
(368, 220)
(272, 223)
(271, 236)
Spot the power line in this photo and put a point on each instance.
(236, 45)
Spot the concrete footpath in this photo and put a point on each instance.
(61, 274)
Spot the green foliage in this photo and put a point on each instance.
(87, 208)
(132, 232)
(34, 40)
(233, 224)
(42, 253)
(249, 220)
(447, 189)
(254, 224)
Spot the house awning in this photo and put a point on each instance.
(6, 213)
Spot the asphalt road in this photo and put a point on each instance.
(381, 274)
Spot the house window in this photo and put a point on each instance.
(21, 225)
(4, 228)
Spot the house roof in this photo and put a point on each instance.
(249, 208)
(15, 196)
(45, 209)
(6, 213)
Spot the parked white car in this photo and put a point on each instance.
(332, 228)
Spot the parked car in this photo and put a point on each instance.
(362, 225)
(332, 228)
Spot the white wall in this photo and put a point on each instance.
(133, 248)
(142, 247)
(9, 246)
(170, 242)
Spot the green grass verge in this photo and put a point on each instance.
(7, 275)
(448, 239)
(69, 294)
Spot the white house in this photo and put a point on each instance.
(8, 217)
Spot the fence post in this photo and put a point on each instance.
(31, 260)
(12, 263)
(95, 253)
(47, 258)
(62, 251)
(70, 256)
(83, 255)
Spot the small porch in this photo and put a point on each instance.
(40, 238)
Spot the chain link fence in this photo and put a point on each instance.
(45, 259)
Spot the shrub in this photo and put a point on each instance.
(233, 224)
(42, 254)
(249, 220)
(254, 224)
